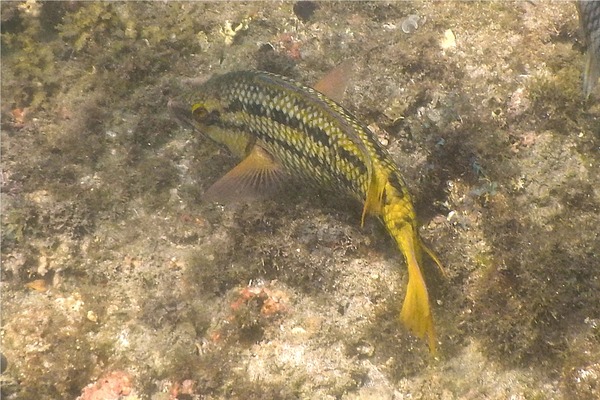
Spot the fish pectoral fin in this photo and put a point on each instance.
(334, 84)
(256, 177)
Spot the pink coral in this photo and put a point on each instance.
(110, 387)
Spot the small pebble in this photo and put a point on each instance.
(297, 330)
(449, 40)
(39, 285)
(410, 24)
(92, 316)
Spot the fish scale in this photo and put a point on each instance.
(280, 126)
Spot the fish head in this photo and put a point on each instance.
(205, 108)
(197, 104)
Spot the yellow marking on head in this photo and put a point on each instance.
(197, 106)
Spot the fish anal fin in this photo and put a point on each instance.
(435, 258)
(334, 84)
(255, 177)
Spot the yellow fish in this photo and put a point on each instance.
(281, 128)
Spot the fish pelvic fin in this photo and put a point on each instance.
(373, 202)
(255, 177)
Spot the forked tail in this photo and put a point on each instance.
(416, 312)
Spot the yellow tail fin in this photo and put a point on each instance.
(416, 313)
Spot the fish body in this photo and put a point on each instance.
(282, 128)
(589, 18)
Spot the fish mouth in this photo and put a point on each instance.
(181, 112)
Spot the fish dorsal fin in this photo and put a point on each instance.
(256, 177)
(334, 84)
(374, 195)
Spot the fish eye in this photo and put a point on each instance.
(199, 112)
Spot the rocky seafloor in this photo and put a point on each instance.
(119, 282)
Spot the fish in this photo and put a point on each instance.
(282, 130)
(589, 19)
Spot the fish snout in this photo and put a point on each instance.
(181, 112)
